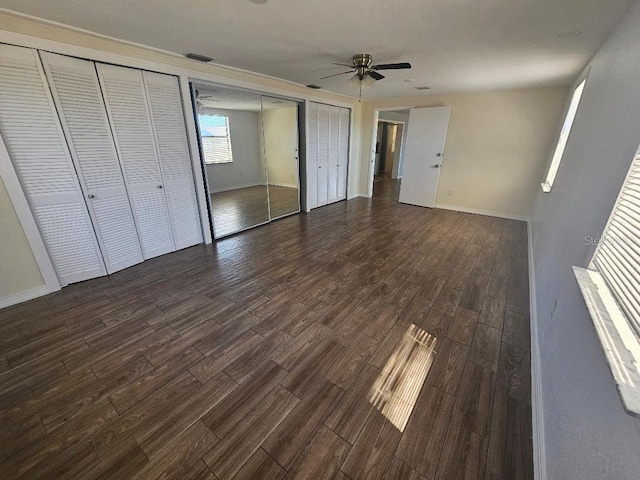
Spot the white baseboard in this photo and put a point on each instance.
(238, 187)
(476, 211)
(23, 296)
(539, 455)
(288, 185)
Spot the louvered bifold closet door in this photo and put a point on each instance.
(323, 154)
(312, 156)
(343, 149)
(31, 131)
(125, 98)
(334, 154)
(165, 103)
(76, 92)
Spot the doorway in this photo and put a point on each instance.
(250, 154)
(390, 136)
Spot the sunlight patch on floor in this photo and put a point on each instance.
(397, 388)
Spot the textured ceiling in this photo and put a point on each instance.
(454, 45)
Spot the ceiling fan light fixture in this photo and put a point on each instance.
(367, 81)
(354, 82)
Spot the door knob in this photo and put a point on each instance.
(91, 195)
(319, 166)
(159, 186)
(436, 166)
(438, 154)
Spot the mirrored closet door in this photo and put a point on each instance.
(249, 147)
(280, 133)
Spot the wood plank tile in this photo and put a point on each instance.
(312, 368)
(232, 409)
(228, 456)
(399, 470)
(473, 403)
(424, 436)
(472, 297)
(132, 393)
(448, 366)
(516, 330)
(352, 411)
(462, 455)
(485, 347)
(462, 326)
(492, 312)
(509, 455)
(289, 439)
(349, 364)
(322, 457)
(373, 450)
(261, 466)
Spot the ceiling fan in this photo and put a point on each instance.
(366, 74)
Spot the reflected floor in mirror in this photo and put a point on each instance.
(364, 340)
(242, 208)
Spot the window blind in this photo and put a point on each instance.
(617, 257)
(216, 142)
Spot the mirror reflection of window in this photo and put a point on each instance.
(216, 140)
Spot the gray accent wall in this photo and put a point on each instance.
(587, 435)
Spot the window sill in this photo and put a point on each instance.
(619, 342)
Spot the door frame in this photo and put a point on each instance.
(374, 140)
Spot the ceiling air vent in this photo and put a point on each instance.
(314, 86)
(199, 58)
(422, 88)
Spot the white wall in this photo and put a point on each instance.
(280, 144)
(496, 144)
(587, 434)
(247, 168)
(19, 271)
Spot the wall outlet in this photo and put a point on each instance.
(451, 193)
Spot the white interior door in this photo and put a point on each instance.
(423, 155)
(125, 98)
(34, 139)
(323, 154)
(76, 92)
(165, 103)
(343, 161)
(334, 154)
(312, 156)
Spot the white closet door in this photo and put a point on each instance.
(334, 154)
(125, 98)
(323, 154)
(75, 89)
(343, 163)
(36, 144)
(312, 156)
(165, 103)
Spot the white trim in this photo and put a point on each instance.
(23, 296)
(237, 187)
(197, 167)
(28, 222)
(372, 152)
(477, 211)
(288, 185)
(539, 454)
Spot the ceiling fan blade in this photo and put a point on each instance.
(391, 66)
(335, 75)
(343, 65)
(375, 75)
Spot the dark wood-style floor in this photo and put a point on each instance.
(367, 339)
(237, 210)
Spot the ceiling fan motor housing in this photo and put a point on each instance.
(362, 61)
